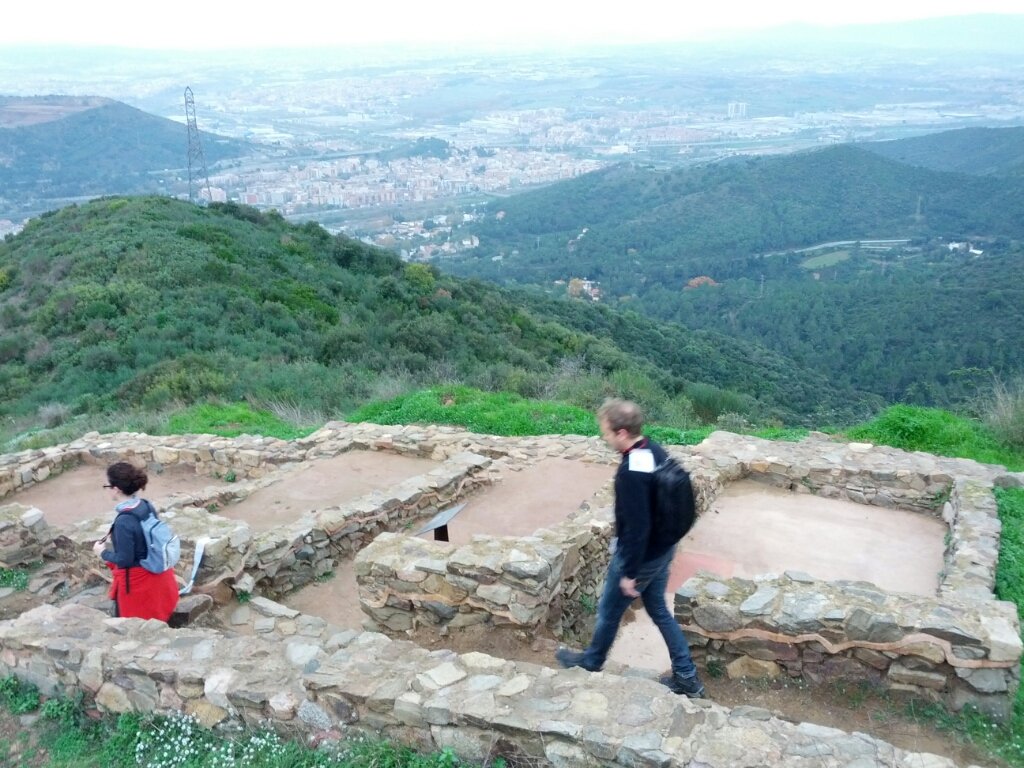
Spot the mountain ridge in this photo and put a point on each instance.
(976, 151)
(645, 234)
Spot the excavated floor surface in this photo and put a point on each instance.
(326, 482)
(78, 494)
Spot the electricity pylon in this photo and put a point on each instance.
(196, 161)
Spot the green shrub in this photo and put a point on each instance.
(913, 428)
(936, 431)
(12, 348)
(421, 277)
(53, 414)
(673, 436)
(186, 379)
(1004, 412)
(231, 420)
(63, 709)
(573, 382)
(15, 578)
(732, 422)
(484, 412)
(710, 402)
(20, 698)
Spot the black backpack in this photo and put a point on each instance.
(674, 509)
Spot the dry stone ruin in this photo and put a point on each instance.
(275, 518)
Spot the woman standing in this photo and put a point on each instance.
(136, 592)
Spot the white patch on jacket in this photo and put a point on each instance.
(641, 460)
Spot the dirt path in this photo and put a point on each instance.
(851, 708)
(335, 599)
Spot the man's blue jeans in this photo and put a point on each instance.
(651, 581)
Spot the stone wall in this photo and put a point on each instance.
(952, 652)
(306, 678)
(962, 646)
(296, 552)
(247, 457)
(535, 581)
(276, 561)
(550, 579)
(24, 536)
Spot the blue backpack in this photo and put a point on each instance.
(163, 547)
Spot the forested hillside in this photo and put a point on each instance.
(146, 302)
(716, 248)
(980, 151)
(689, 222)
(107, 148)
(931, 327)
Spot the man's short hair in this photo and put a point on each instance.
(622, 414)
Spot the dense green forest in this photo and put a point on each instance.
(927, 327)
(912, 321)
(109, 148)
(980, 151)
(148, 302)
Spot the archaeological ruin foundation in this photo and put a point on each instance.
(340, 510)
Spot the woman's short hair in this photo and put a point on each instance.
(126, 477)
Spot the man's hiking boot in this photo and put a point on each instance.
(569, 659)
(691, 687)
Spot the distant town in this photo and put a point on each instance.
(340, 141)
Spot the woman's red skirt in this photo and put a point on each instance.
(140, 594)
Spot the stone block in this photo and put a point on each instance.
(748, 667)
(113, 698)
(717, 617)
(190, 608)
(924, 679)
(984, 680)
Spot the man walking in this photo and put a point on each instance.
(640, 563)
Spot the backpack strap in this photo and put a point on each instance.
(140, 512)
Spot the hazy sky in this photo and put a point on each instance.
(230, 24)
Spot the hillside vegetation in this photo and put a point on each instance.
(106, 148)
(716, 248)
(146, 303)
(980, 151)
(688, 221)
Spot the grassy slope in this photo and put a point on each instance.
(910, 331)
